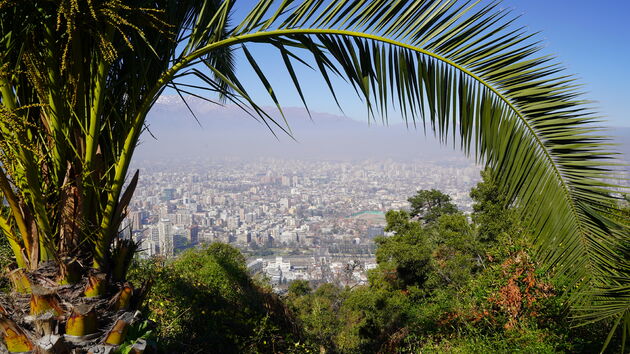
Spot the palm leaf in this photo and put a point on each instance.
(473, 78)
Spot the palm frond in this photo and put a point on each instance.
(471, 76)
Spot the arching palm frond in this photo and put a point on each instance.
(466, 72)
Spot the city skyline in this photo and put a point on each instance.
(319, 215)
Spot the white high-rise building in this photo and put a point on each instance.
(165, 232)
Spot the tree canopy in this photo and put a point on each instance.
(429, 205)
(451, 286)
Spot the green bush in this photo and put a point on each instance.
(205, 300)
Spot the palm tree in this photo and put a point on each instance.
(77, 79)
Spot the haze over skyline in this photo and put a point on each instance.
(229, 132)
(583, 35)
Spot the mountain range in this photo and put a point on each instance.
(227, 131)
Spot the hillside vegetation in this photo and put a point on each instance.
(445, 282)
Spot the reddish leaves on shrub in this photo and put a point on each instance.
(517, 299)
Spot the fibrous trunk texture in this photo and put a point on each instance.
(46, 313)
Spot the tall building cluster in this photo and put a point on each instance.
(272, 207)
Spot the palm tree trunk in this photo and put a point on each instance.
(42, 314)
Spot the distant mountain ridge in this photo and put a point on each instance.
(621, 136)
(229, 131)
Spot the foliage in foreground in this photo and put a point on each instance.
(78, 78)
(206, 300)
(451, 285)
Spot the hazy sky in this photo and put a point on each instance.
(591, 37)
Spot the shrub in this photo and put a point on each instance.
(206, 300)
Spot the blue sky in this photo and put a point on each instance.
(592, 39)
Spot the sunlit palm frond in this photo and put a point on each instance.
(471, 76)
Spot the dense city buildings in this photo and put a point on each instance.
(295, 219)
